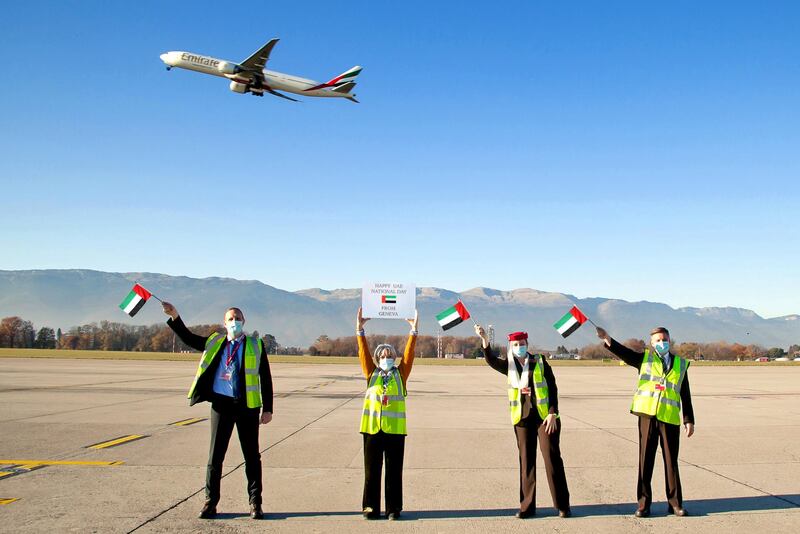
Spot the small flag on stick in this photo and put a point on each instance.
(570, 322)
(453, 316)
(135, 300)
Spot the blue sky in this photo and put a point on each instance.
(626, 150)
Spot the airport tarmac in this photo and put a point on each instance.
(112, 446)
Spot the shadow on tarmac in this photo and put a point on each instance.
(699, 507)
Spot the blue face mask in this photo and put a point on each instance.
(386, 363)
(234, 328)
(662, 348)
(520, 352)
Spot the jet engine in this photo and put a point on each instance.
(237, 87)
(228, 68)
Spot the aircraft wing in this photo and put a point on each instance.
(259, 59)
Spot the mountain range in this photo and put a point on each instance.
(71, 297)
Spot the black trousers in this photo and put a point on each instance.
(224, 415)
(376, 446)
(527, 432)
(653, 432)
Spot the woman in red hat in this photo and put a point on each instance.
(533, 403)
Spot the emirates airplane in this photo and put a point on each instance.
(250, 76)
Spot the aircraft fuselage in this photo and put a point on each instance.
(232, 71)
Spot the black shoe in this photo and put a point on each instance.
(209, 511)
(256, 512)
(524, 515)
(642, 512)
(565, 513)
(369, 513)
(393, 516)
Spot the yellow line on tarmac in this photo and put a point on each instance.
(116, 441)
(59, 462)
(187, 422)
(7, 501)
(5, 473)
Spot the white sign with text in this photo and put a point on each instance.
(388, 300)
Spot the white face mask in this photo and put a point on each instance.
(386, 363)
(234, 328)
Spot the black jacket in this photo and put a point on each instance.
(204, 391)
(528, 409)
(634, 359)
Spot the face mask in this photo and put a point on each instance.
(662, 348)
(520, 352)
(234, 328)
(386, 363)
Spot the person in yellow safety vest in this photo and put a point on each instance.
(533, 404)
(383, 419)
(662, 390)
(234, 376)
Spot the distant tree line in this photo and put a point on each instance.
(16, 332)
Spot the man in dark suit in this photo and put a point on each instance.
(234, 376)
(662, 391)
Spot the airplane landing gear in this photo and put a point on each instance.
(169, 68)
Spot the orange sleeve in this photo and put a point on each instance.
(365, 357)
(408, 358)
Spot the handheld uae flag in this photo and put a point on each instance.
(453, 316)
(135, 300)
(570, 322)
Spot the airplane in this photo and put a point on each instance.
(250, 76)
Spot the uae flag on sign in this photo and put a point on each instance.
(453, 316)
(570, 322)
(135, 300)
(388, 299)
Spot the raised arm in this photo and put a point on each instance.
(629, 356)
(364, 354)
(498, 364)
(176, 324)
(408, 354)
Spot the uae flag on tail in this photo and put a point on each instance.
(453, 316)
(135, 300)
(570, 322)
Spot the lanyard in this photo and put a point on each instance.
(233, 350)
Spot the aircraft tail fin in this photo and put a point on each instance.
(345, 77)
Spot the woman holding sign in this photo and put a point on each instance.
(533, 401)
(383, 420)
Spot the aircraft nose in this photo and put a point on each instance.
(164, 57)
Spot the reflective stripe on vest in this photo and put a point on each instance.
(540, 391)
(390, 418)
(252, 361)
(649, 399)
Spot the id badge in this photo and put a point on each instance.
(226, 377)
(385, 400)
(660, 387)
(525, 391)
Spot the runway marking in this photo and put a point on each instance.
(187, 422)
(355, 397)
(7, 501)
(6, 473)
(43, 463)
(116, 441)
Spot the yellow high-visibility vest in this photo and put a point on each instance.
(252, 361)
(389, 417)
(540, 391)
(659, 394)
